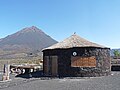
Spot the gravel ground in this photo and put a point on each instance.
(111, 82)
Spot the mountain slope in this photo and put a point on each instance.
(30, 39)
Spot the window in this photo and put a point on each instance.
(83, 61)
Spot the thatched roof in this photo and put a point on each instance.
(74, 41)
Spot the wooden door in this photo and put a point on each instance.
(46, 65)
(51, 65)
(54, 67)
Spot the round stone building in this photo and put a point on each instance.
(76, 56)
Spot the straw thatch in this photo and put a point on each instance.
(74, 41)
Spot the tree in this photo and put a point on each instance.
(116, 53)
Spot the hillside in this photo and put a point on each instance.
(28, 41)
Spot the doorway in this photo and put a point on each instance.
(51, 65)
(54, 66)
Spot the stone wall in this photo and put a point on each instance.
(103, 66)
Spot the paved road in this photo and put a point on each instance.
(100, 83)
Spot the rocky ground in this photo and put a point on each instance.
(111, 82)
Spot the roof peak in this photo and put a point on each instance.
(74, 33)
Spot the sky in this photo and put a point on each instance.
(94, 20)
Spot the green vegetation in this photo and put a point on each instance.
(116, 53)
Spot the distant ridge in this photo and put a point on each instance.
(27, 40)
